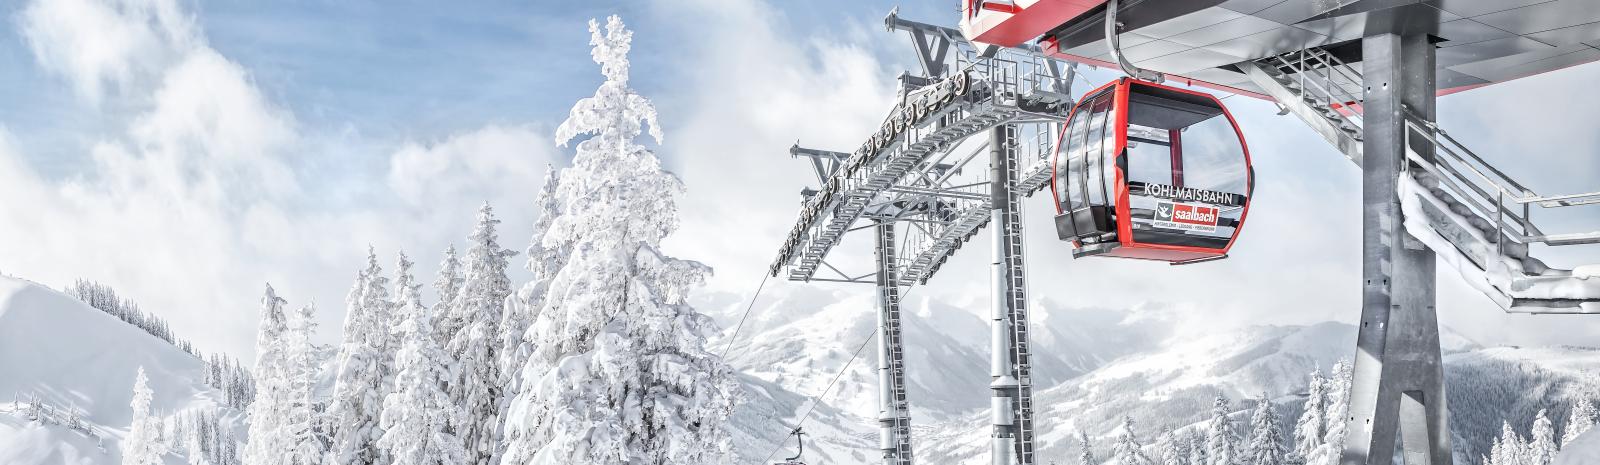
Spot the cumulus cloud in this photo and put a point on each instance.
(199, 196)
(100, 44)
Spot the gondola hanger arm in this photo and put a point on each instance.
(1112, 27)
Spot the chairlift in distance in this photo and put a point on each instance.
(800, 445)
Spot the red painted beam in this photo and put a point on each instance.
(1019, 22)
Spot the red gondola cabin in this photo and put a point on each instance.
(1149, 171)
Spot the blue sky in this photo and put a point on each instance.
(189, 158)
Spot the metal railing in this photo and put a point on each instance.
(1491, 193)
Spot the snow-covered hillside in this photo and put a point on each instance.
(1095, 367)
(74, 356)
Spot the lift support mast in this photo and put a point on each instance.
(907, 175)
(1424, 195)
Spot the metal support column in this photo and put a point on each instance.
(894, 414)
(1398, 386)
(1011, 407)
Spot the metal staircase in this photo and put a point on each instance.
(1477, 218)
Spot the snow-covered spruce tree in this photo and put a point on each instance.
(620, 373)
(267, 440)
(301, 417)
(194, 453)
(1579, 419)
(1128, 451)
(1222, 442)
(142, 445)
(1266, 437)
(1173, 450)
(475, 390)
(418, 417)
(522, 308)
(1310, 429)
(1509, 449)
(1542, 447)
(448, 285)
(1335, 413)
(1085, 449)
(1197, 448)
(364, 371)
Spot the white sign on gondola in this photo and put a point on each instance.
(1185, 217)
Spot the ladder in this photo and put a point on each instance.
(897, 415)
(1476, 217)
(1015, 269)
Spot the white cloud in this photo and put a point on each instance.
(99, 44)
(199, 200)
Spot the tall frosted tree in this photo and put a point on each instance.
(448, 285)
(619, 373)
(1336, 412)
(1579, 420)
(1173, 450)
(364, 370)
(418, 417)
(270, 407)
(475, 390)
(1197, 448)
(1266, 437)
(522, 308)
(1222, 442)
(143, 444)
(1128, 450)
(1085, 449)
(301, 419)
(1312, 425)
(1542, 446)
(1509, 448)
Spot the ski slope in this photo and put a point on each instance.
(70, 354)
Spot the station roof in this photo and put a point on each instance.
(1481, 42)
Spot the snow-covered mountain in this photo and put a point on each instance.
(1094, 366)
(74, 356)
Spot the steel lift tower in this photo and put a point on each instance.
(911, 184)
(1363, 74)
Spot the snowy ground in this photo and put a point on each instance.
(71, 355)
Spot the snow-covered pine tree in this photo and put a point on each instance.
(418, 417)
(267, 441)
(1266, 437)
(1579, 419)
(522, 308)
(1335, 413)
(616, 330)
(364, 371)
(1173, 450)
(448, 285)
(1312, 426)
(1510, 448)
(1085, 449)
(301, 417)
(195, 454)
(1222, 442)
(1128, 451)
(475, 390)
(142, 445)
(1542, 447)
(1197, 448)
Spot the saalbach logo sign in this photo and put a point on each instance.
(1185, 217)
